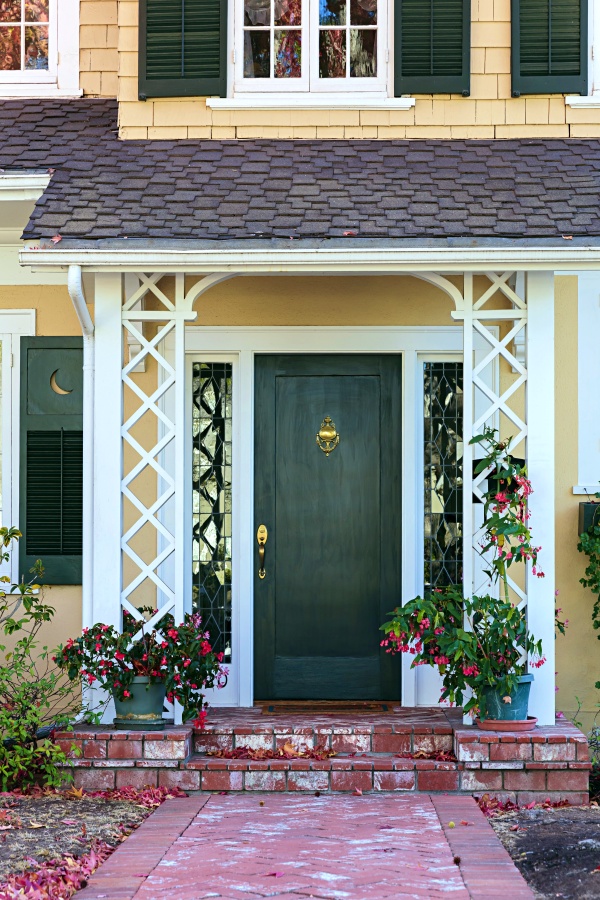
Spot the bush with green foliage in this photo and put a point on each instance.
(35, 696)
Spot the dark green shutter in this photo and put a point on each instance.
(51, 452)
(432, 40)
(549, 47)
(183, 48)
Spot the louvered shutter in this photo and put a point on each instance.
(432, 40)
(182, 48)
(549, 46)
(51, 451)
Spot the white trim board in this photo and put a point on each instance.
(239, 345)
(588, 452)
(13, 324)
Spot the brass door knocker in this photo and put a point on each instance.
(327, 436)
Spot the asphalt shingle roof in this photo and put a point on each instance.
(106, 188)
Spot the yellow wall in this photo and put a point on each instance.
(578, 652)
(98, 56)
(490, 111)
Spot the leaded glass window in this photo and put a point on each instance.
(24, 35)
(211, 485)
(443, 469)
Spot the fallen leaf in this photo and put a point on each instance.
(262, 803)
(349, 234)
(51, 171)
(357, 792)
(567, 237)
(5, 827)
(464, 822)
(514, 827)
(74, 793)
(456, 860)
(36, 825)
(56, 239)
(69, 822)
(273, 874)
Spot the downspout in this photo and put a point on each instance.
(75, 288)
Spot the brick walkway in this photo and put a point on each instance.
(240, 847)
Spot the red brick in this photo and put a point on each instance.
(583, 752)
(351, 743)
(488, 780)
(95, 779)
(205, 742)
(433, 743)
(222, 781)
(124, 749)
(165, 749)
(438, 781)
(568, 781)
(73, 749)
(525, 781)
(300, 742)
(137, 778)
(391, 743)
(186, 779)
(553, 752)
(351, 781)
(254, 741)
(94, 750)
(308, 781)
(394, 781)
(265, 781)
(506, 752)
(472, 752)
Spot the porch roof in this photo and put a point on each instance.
(420, 192)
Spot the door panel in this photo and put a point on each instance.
(333, 552)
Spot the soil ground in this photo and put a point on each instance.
(44, 828)
(556, 850)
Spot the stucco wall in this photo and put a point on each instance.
(490, 111)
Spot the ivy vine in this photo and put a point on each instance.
(589, 544)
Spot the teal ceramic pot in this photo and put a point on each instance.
(493, 706)
(143, 710)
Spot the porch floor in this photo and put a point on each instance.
(398, 750)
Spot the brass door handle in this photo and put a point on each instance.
(261, 536)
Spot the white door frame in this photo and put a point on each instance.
(239, 345)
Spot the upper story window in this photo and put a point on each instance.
(311, 45)
(27, 33)
(39, 48)
(303, 46)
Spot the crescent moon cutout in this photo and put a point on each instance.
(55, 386)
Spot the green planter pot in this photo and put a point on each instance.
(143, 710)
(493, 707)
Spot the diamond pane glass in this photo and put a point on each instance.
(211, 486)
(443, 468)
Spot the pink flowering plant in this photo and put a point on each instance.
(180, 655)
(481, 641)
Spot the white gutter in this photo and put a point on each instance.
(75, 288)
(318, 260)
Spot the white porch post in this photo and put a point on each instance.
(108, 411)
(540, 465)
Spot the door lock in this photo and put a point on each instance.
(261, 536)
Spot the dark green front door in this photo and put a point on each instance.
(332, 556)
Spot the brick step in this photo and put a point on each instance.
(546, 762)
(339, 738)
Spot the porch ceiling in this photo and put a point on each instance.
(266, 189)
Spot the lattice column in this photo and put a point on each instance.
(498, 390)
(154, 544)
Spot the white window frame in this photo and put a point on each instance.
(62, 76)
(588, 396)
(14, 323)
(310, 83)
(593, 95)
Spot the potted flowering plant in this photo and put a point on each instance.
(176, 662)
(481, 644)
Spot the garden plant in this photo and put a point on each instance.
(479, 642)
